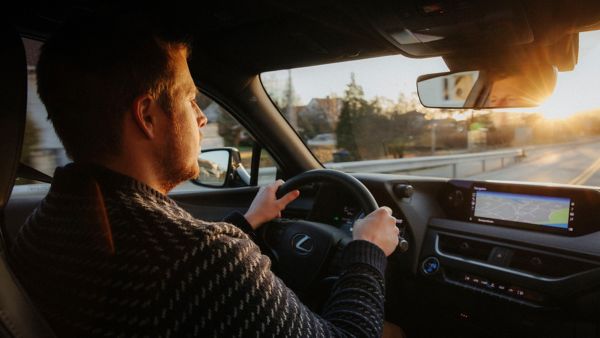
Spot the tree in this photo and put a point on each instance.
(281, 92)
(354, 106)
(311, 125)
(229, 129)
(407, 103)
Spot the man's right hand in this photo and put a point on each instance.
(379, 228)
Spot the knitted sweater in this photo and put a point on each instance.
(106, 255)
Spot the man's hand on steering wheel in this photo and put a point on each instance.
(379, 228)
(266, 206)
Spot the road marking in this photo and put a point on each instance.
(586, 174)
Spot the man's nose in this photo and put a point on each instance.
(201, 118)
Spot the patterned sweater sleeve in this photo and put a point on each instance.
(244, 298)
(236, 218)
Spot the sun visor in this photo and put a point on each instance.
(433, 28)
(563, 55)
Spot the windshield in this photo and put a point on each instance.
(365, 116)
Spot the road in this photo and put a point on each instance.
(574, 164)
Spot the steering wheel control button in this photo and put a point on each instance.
(402, 244)
(430, 265)
(302, 244)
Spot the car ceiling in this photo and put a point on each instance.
(259, 36)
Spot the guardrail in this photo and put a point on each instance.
(389, 166)
(427, 162)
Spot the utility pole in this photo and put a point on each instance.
(433, 127)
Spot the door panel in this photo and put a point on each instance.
(215, 204)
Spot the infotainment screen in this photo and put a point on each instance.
(519, 209)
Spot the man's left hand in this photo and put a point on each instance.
(266, 206)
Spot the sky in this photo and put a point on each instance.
(576, 91)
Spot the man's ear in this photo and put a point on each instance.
(143, 111)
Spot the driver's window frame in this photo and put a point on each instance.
(249, 148)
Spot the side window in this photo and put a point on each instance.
(223, 130)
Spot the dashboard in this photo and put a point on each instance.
(341, 212)
(488, 252)
(337, 207)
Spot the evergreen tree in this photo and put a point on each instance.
(354, 107)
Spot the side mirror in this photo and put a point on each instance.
(487, 88)
(221, 167)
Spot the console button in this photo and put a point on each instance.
(464, 246)
(535, 261)
(497, 288)
(430, 265)
(500, 256)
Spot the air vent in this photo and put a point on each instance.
(536, 263)
(547, 265)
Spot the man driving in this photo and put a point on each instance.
(108, 253)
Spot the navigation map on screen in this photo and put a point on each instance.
(540, 210)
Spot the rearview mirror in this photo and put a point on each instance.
(221, 167)
(486, 89)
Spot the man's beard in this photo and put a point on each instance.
(175, 166)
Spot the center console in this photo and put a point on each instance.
(535, 245)
(560, 210)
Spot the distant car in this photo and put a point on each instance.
(323, 140)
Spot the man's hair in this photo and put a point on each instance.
(90, 72)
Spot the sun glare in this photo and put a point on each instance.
(577, 91)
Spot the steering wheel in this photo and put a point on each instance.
(301, 249)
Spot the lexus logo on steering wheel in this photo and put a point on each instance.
(302, 244)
